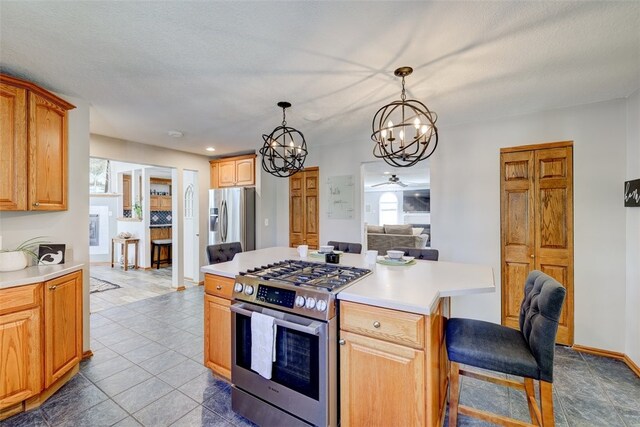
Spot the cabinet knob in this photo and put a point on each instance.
(533, 256)
(53, 288)
(376, 324)
(219, 287)
(36, 204)
(341, 342)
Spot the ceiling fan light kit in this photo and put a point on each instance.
(284, 150)
(404, 131)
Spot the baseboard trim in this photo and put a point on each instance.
(611, 354)
(87, 354)
(181, 288)
(632, 365)
(598, 352)
(201, 283)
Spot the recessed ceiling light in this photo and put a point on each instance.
(387, 173)
(175, 133)
(312, 117)
(210, 149)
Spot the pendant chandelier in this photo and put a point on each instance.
(284, 150)
(404, 131)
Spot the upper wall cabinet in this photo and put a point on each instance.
(233, 171)
(33, 147)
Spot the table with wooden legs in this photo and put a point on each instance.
(124, 244)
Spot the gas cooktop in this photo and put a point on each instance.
(302, 287)
(303, 273)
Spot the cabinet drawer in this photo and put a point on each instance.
(389, 325)
(218, 285)
(19, 298)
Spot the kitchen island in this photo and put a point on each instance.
(393, 365)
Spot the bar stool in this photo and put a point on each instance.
(527, 353)
(346, 247)
(157, 245)
(424, 254)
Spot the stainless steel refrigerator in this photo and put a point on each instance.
(232, 216)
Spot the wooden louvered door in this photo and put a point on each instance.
(537, 225)
(304, 193)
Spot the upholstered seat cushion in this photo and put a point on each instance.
(490, 346)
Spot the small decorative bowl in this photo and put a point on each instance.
(124, 235)
(395, 254)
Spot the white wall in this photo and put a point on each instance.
(465, 206)
(70, 227)
(133, 152)
(111, 203)
(633, 232)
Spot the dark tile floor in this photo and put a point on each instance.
(147, 370)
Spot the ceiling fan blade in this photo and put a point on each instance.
(401, 184)
(378, 185)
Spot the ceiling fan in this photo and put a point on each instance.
(393, 180)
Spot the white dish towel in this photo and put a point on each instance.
(263, 343)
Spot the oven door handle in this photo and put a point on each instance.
(312, 329)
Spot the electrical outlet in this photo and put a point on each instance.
(266, 222)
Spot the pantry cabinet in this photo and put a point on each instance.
(399, 358)
(233, 171)
(217, 324)
(33, 147)
(40, 340)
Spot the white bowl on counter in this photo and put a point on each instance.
(395, 254)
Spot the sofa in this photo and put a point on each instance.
(382, 238)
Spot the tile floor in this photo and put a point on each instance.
(135, 285)
(147, 370)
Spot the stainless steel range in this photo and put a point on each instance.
(301, 296)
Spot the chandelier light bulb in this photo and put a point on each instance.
(416, 123)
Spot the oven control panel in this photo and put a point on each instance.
(305, 302)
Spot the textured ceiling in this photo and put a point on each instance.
(215, 70)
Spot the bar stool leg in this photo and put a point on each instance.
(454, 394)
(135, 245)
(112, 251)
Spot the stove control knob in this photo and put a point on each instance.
(300, 301)
(248, 289)
(321, 305)
(238, 287)
(311, 303)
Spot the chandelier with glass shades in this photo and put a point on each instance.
(285, 149)
(404, 131)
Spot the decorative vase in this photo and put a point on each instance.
(12, 261)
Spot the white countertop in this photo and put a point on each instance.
(36, 274)
(414, 288)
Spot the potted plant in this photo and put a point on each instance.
(18, 258)
(137, 209)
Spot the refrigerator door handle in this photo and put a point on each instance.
(224, 222)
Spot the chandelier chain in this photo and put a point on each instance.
(284, 117)
(403, 95)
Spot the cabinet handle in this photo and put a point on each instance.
(376, 324)
(53, 288)
(341, 342)
(36, 204)
(219, 287)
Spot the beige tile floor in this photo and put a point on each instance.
(135, 285)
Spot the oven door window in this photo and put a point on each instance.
(297, 357)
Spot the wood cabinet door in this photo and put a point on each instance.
(47, 155)
(154, 203)
(213, 177)
(63, 325)
(165, 203)
(126, 192)
(245, 172)
(517, 232)
(227, 173)
(296, 210)
(311, 213)
(13, 148)
(381, 384)
(537, 225)
(554, 226)
(20, 356)
(217, 335)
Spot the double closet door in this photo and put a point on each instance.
(536, 184)
(304, 192)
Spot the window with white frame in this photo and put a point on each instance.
(388, 209)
